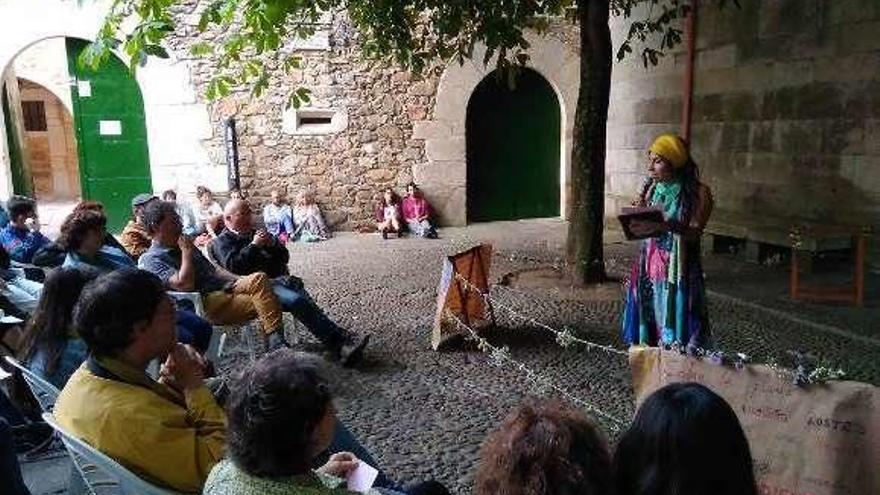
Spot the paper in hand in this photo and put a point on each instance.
(361, 479)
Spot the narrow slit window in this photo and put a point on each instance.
(316, 120)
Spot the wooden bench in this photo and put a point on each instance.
(810, 235)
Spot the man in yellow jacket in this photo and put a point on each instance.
(171, 432)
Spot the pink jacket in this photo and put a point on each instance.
(414, 208)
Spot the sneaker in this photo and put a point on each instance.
(353, 350)
(276, 340)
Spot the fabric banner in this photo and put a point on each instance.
(823, 439)
(463, 299)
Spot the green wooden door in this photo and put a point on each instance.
(513, 140)
(111, 132)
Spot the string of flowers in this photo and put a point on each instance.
(804, 374)
(501, 355)
(564, 337)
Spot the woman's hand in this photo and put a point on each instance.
(340, 465)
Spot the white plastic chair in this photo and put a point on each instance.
(101, 474)
(218, 336)
(45, 393)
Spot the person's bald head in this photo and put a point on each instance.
(237, 216)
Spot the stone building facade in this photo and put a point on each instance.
(784, 127)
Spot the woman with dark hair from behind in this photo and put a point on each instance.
(280, 420)
(544, 449)
(52, 349)
(685, 440)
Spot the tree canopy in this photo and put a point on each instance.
(411, 33)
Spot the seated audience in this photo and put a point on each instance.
(308, 220)
(388, 216)
(245, 251)
(17, 291)
(544, 449)
(52, 255)
(170, 432)
(21, 238)
(417, 212)
(278, 219)
(134, 237)
(83, 235)
(209, 216)
(281, 420)
(52, 349)
(685, 440)
(185, 211)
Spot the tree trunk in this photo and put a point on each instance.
(586, 204)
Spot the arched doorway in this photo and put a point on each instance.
(50, 143)
(104, 133)
(513, 149)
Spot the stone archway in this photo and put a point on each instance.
(513, 141)
(443, 176)
(178, 159)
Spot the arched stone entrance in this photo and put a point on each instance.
(513, 141)
(443, 175)
(50, 142)
(177, 122)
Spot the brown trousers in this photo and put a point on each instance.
(251, 297)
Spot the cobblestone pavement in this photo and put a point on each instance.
(424, 414)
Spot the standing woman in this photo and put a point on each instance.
(666, 297)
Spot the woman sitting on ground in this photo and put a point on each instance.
(51, 348)
(685, 440)
(280, 419)
(277, 217)
(388, 216)
(417, 213)
(209, 216)
(83, 233)
(308, 220)
(544, 449)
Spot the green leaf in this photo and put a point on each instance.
(156, 51)
(201, 49)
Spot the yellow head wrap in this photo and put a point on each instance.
(672, 148)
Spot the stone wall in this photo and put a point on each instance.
(53, 157)
(368, 147)
(786, 115)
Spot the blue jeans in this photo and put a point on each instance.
(193, 330)
(300, 305)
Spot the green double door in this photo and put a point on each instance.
(513, 149)
(111, 131)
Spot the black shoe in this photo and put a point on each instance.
(384, 235)
(353, 350)
(276, 340)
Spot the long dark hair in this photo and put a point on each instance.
(689, 174)
(685, 440)
(49, 329)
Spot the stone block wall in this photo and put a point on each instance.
(370, 146)
(786, 109)
(54, 163)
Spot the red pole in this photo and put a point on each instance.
(688, 96)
